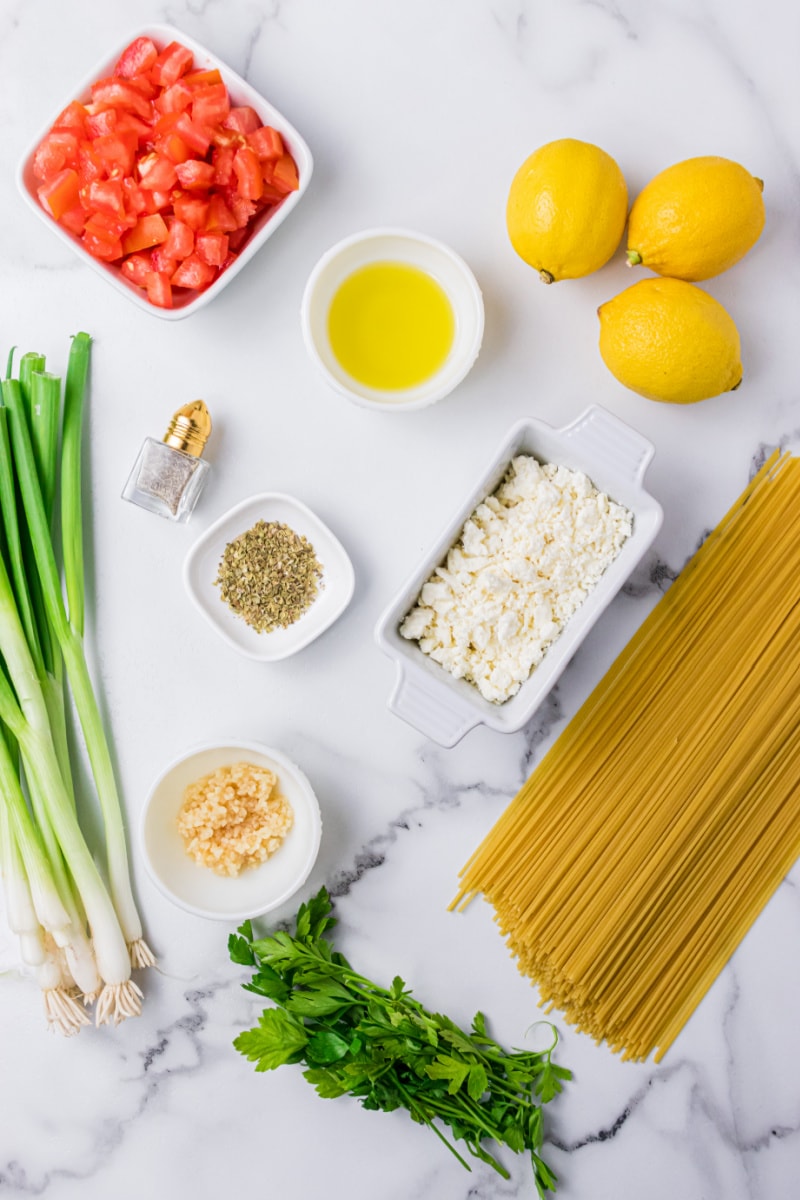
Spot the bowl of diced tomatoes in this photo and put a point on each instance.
(166, 172)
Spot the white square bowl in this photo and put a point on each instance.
(202, 563)
(615, 458)
(257, 889)
(263, 226)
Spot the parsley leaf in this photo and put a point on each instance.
(278, 1039)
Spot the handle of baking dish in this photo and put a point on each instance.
(430, 708)
(613, 442)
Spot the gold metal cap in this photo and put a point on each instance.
(189, 428)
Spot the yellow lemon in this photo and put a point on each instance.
(669, 340)
(696, 219)
(566, 209)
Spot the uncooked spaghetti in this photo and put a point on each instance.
(642, 848)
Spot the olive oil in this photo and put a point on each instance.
(391, 326)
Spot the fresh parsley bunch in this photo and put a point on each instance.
(384, 1048)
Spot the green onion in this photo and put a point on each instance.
(74, 929)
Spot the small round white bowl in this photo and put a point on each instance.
(256, 890)
(415, 249)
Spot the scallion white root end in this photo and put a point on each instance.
(63, 1013)
(141, 954)
(117, 1002)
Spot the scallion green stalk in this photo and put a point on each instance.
(71, 478)
(45, 412)
(8, 504)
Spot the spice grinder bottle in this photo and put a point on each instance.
(168, 476)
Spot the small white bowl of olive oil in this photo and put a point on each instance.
(393, 319)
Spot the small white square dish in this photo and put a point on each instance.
(336, 585)
(261, 226)
(615, 458)
(255, 890)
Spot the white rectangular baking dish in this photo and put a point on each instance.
(615, 457)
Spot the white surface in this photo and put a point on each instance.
(242, 94)
(415, 250)
(615, 458)
(254, 891)
(418, 115)
(335, 585)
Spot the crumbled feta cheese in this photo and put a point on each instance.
(525, 562)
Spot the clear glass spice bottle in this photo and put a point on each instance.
(168, 476)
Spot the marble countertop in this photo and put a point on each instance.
(417, 115)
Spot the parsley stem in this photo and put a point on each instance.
(413, 1108)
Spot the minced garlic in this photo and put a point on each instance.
(234, 818)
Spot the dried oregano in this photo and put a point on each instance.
(269, 576)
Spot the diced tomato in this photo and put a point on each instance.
(156, 201)
(144, 86)
(136, 268)
(197, 79)
(284, 174)
(58, 149)
(73, 117)
(222, 158)
(171, 63)
(157, 173)
(128, 123)
(271, 195)
(161, 262)
(148, 231)
(135, 198)
(266, 142)
(210, 105)
(237, 239)
(247, 169)
(212, 248)
(241, 208)
(118, 94)
(225, 138)
(194, 136)
(173, 147)
(117, 152)
(104, 195)
(60, 193)
(193, 273)
(102, 237)
(165, 123)
(74, 219)
(220, 219)
(243, 120)
(180, 242)
(175, 98)
(100, 248)
(101, 123)
(228, 261)
(159, 289)
(191, 210)
(106, 226)
(90, 164)
(195, 174)
(136, 58)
